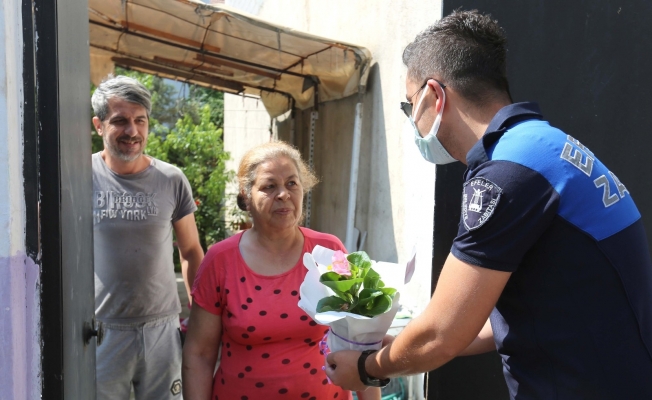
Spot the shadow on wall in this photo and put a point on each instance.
(374, 211)
(333, 141)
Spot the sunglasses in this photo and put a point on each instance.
(407, 106)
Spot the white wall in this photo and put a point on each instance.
(246, 124)
(19, 313)
(395, 199)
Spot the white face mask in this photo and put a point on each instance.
(430, 147)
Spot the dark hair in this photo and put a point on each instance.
(240, 201)
(466, 50)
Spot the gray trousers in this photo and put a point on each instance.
(147, 355)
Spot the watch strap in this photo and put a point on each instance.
(366, 379)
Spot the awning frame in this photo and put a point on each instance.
(219, 47)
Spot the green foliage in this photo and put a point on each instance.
(201, 96)
(374, 298)
(96, 140)
(186, 131)
(199, 151)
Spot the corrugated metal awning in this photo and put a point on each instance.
(219, 47)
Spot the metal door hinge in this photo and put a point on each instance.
(94, 329)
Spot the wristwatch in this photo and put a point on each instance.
(366, 379)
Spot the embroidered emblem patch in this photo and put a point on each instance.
(176, 387)
(479, 201)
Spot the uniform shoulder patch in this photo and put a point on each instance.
(479, 200)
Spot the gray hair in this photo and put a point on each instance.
(271, 151)
(122, 87)
(466, 50)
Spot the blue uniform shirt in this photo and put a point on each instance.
(575, 318)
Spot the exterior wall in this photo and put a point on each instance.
(246, 124)
(395, 197)
(19, 275)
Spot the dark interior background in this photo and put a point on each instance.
(587, 63)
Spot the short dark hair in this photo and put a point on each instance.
(467, 50)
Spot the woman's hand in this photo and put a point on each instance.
(373, 393)
(342, 370)
(388, 339)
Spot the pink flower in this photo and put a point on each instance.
(341, 264)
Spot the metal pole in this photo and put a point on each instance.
(292, 128)
(314, 115)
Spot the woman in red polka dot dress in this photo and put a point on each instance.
(246, 292)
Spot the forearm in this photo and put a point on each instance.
(417, 349)
(197, 375)
(373, 393)
(483, 343)
(190, 250)
(190, 262)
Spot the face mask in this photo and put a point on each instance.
(430, 147)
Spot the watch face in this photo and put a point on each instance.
(377, 382)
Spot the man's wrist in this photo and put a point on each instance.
(371, 366)
(365, 377)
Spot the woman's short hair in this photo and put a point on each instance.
(266, 152)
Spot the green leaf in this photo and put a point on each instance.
(343, 285)
(355, 289)
(355, 271)
(371, 279)
(379, 305)
(360, 259)
(367, 295)
(330, 276)
(332, 303)
(388, 291)
(346, 296)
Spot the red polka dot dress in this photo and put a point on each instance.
(270, 347)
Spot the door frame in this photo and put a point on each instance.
(58, 189)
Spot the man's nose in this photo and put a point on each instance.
(131, 129)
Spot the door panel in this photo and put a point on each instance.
(62, 83)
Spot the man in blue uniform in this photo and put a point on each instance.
(550, 266)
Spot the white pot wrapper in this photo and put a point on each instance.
(351, 331)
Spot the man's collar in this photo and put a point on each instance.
(513, 113)
(504, 118)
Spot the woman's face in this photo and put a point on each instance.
(276, 195)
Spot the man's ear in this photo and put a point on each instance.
(439, 92)
(98, 125)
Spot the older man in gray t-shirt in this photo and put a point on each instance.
(138, 202)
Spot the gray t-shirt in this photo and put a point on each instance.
(132, 227)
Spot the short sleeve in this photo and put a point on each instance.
(336, 244)
(185, 202)
(505, 208)
(208, 288)
(314, 238)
